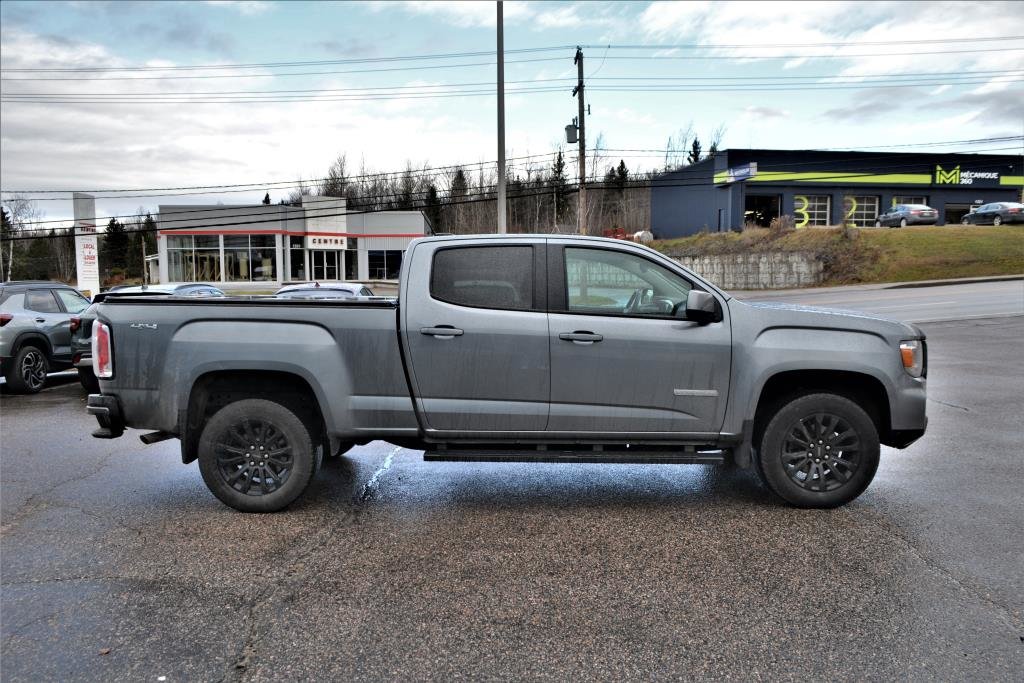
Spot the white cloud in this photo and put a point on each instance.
(247, 7)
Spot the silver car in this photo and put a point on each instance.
(35, 331)
(902, 215)
(331, 290)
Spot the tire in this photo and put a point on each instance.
(964, 221)
(87, 378)
(843, 427)
(878, 224)
(903, 222)
(264, 483)
(29, 367)
(998, 220)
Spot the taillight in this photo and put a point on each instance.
(1013, 210)
(102, 352)
(915, 213)
(76, 323)
(5, 318)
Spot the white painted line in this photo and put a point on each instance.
(936, 303)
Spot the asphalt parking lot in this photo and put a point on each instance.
(117, 564)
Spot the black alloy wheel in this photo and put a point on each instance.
(818, 450)
(28, 370)
(254, 457)
(257, 455)
(821, 452)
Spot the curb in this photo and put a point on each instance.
(957, 281)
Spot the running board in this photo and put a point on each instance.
(630, 457)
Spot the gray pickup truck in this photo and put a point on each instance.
(511, 349)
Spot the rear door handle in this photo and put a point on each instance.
(40, 320)
(442, 332)
(580, 337)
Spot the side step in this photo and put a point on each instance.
(632, 456)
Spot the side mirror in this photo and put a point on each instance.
(701, 307)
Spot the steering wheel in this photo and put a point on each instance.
(635, 300)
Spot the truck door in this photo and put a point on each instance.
(476, 335)
(621, 361)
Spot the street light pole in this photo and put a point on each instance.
(502, 210)
(581, 210)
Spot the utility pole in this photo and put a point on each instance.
(581, 211)
(502, 210)
(145, 273)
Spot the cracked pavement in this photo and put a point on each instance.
(394, 568)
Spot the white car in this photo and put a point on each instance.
(330, 290)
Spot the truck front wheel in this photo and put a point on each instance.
(256, 455)
(819, 451)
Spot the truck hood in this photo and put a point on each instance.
(794, 315)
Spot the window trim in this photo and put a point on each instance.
(539, 276)
(558, 276)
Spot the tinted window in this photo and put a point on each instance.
(41, 300)
(73, 303)
(484, 277)
(602, 282)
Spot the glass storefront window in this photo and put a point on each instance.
(384, 265)
(263, 255)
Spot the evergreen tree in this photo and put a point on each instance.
(115, 245)
(459, 185)
(559, 187)
(621, 177)
(266, 198)
(433, 209)
(6, 233)
(694, 155)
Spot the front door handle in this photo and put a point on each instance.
(442, 332)
(580, 337)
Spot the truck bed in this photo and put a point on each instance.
(351, 346)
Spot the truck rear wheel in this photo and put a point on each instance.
(819, 451)
(256, 455)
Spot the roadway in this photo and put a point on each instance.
(117, 564)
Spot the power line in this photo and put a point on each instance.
(289, 73)
(818, 56)
(257, 185)
(812, 80)
(656, 89)
(484, 53)
(264, 65)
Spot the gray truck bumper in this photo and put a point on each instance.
(107, 410)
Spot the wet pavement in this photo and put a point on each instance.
(117, 564)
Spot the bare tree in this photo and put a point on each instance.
(336, 181)
(22, 213)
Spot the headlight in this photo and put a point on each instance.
(912, 354)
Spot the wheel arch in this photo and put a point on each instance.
(215, 389)
(33, 338)
(863, 389)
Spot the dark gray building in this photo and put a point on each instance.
(820, 188)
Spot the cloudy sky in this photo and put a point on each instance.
(153, 124)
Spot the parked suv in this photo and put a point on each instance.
(35, 334)
(81, 325)
(902, 215)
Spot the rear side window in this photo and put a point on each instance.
(73, 303)
(41, 301)
(484, 277)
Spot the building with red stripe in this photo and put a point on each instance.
(263, 246)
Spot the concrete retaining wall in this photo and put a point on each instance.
(770, 270)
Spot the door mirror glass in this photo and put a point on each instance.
(701, 307)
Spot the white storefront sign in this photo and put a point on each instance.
(87, 260)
